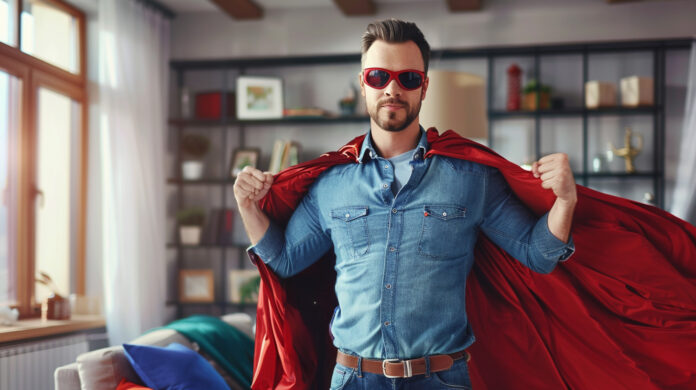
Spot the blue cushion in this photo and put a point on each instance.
(174, 367)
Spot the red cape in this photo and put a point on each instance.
(620, 314)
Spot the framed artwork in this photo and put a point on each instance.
(244, 285)
(243, 157)
(196, 285)
(259, 97)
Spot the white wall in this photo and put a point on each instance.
(501, 22)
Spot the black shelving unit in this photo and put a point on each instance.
(656, 112)
(231, 127)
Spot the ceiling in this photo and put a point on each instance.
(186, 6)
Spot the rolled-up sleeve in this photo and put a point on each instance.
(514, 228)
(290, 251)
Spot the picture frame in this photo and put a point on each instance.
(243, 157)
(196, 285)
(241, 285)
(259, 97)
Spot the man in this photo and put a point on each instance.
(403, 228)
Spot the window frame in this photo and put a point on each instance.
(34, 74)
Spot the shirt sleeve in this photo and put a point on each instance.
(290, 251)
(513, 227)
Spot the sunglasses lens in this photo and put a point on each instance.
(410, 80)
(377, 78)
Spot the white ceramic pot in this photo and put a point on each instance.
(192, 170)
(190, 235)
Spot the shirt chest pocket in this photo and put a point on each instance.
(443, 231)
(351, 225)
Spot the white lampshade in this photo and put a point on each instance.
(457, 101)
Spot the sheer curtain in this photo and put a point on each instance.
(684, 201)
(133, 78)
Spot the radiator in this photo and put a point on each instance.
(30, 365)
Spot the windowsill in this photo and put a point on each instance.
(34, 328)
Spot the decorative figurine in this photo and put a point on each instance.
(348, 102)
(628, 151)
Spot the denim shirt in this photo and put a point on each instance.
(402, 261)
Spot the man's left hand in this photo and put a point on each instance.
(556, 174)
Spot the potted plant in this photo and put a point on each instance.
(193, 148)
(190, 224)
(249, 291)
(530, 95)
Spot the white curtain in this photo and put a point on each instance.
(684, 201)
(133, 78)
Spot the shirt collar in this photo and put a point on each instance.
(369, 150)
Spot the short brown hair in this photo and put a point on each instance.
(395, 31)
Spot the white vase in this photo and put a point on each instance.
(192, 170)
(190, 235)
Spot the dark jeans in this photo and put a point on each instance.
(457, 377)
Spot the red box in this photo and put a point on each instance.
(209, 105)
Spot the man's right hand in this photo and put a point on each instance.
(251, 185)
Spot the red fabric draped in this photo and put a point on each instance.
(620, 314)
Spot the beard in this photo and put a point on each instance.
(389, 120)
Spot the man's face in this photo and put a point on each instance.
(393, 108)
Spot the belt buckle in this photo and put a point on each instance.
(408, 371)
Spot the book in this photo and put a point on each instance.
(276, 156)
(209, 233)
(309, 111)
(285, 154)
(226, 227)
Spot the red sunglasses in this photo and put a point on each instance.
(379, 78)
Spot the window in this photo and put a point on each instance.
(42, 151)
(49, 33)
(8, 8)
(10, 89)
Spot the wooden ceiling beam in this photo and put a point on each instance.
(464, 5)
(356, 7)
(240, 9)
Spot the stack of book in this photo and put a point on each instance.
(285, 154)
(305, 112)
(218, 227)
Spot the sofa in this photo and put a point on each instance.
(104, 368)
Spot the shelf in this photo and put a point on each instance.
(623, 111)
(265, 122)
(494, 114)
(500, 114)
(211, 181)
(623, 175)
(208, 246)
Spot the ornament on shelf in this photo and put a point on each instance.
(348, 102)
(598, 163)
(514, 85)
(628, 152)
(649, 198)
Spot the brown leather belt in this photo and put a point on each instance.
(395, 368)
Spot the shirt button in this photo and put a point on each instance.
(385, 185)
(386, 166)
(388, 286)
(444, 214)
(387, 323)
(347, 215)
(392, 249)
(394, 211)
